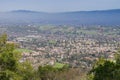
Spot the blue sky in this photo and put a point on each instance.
(58, 5)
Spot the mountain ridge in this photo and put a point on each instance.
(96, 17)
(65, 12)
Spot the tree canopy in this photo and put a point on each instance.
(106, 69)
(10, 66)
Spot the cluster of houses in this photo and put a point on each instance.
(75, 52)
(76, 46)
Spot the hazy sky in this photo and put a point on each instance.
(58, 5)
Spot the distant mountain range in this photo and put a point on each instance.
(100, 17)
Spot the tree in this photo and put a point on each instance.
(8, 60)
(10, 66)
(106, 69)
(47, 72)
(26, 71)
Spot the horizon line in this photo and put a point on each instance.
(60, 11)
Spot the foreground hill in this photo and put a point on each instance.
(105, 17)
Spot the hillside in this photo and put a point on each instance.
(103, 17)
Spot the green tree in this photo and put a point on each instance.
(26, 71)
(8, 60)
(10, 66)
(106, 69)
(47, 72)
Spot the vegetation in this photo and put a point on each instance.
(10, 67)
(59, 65)
(106, 69)
(21, 50)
